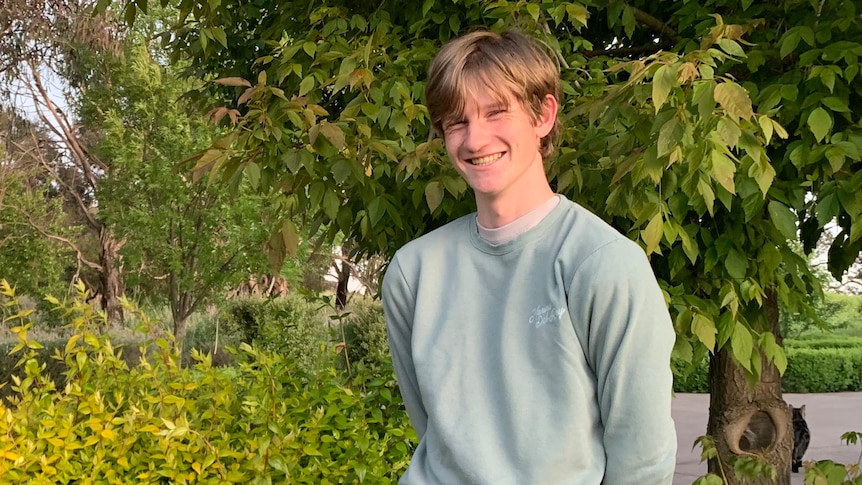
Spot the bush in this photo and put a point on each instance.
(691, 378)
(823, 370)
(365, 332)
(808, 370)
(291, 326)
(262, 421)
(824, 342)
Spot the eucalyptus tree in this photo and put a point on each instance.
(40, 49)
(714, 133)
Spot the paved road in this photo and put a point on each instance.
(828, 416)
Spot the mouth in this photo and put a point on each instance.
(486, 160)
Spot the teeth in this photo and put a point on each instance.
(486, 160)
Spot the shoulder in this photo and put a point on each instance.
(451, 234)
(597, 249)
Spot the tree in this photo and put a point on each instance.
(30, 261)
(712, 132)
(43, 38)
(185, 240)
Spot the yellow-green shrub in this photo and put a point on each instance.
(261, 421)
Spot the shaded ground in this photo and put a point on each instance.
(828, 415)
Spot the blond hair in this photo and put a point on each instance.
(507, 64)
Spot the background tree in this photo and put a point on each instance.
(186, 242)
(28, 211)
(39, 60)
(712, 132)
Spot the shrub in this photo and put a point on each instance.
(824, 342)
(812, 369)
(365, 332)
(291, 326)
(262, 421)
(691, 378)
(823, 370)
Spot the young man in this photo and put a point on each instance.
(530, 340)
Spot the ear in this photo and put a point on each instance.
(548, 116)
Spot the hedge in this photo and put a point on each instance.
(808, 370)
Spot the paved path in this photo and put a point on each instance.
(828, 416)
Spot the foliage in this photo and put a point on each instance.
(823, 370)
(833, 312)
(814, 368)
(685, 149)
(365, 332)
(290, 326)
(31, 262)
(826, 341)
(827, 472)
(263, 421)
(185, 242)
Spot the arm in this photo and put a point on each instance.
(398, 307)
(628, 345)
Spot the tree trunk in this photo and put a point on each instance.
(111, 276)
(746, 421)
(341, 291)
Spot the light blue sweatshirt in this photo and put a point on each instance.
(543, 360)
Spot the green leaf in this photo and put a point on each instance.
(331, 203)
(376, 210)
(741, 345)
(835, 104)
(788, 42)
(534, 11)
(310, 48)
(219, 35)
(434, 195)
(731, 47)
(306, 85)
(734, 99)
(736, 264)
(342, 170)
(670, 135)
(783, 218)
(253, 171)
(820, 123)
(577, 12)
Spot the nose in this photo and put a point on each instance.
(477, 135)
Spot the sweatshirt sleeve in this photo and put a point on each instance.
(628, 342)
(398, 306)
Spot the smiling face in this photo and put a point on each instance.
(495, 143)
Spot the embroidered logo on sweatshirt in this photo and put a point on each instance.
(545, 314)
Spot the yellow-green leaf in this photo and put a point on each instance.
(306, 85)
(434, 195)
(734, 99)
(652, 234)
(704, 329)
(662, 83)
(723, 170)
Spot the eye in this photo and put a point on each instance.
(454, 125)
(493, 113)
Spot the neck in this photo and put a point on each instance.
(493, 212)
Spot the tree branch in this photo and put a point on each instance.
(662, 29)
